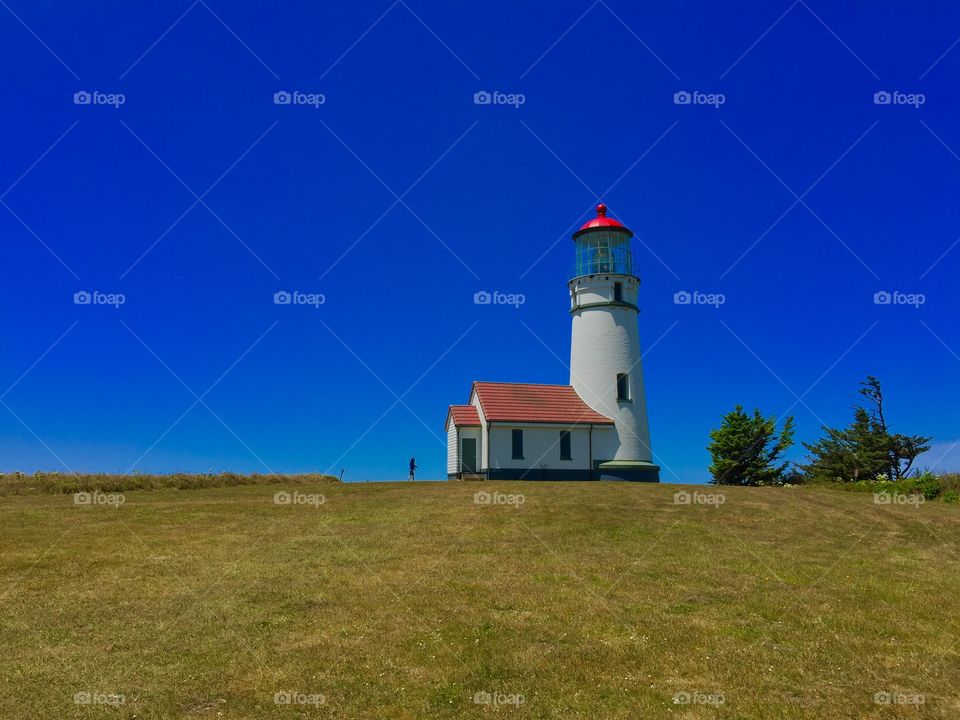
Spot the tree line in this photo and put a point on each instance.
(748, 449)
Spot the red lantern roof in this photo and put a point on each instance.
(602, 222)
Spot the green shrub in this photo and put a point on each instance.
(932, 487)
(928, 485)
(950, 481)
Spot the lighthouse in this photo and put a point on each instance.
(605, 362)
(595, 428)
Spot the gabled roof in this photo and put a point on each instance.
(463, 415)
(523, 402)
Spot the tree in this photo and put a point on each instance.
(866, 448)
(746, 450)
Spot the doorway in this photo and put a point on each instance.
(468, 455)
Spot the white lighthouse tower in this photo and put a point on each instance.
(605, 367)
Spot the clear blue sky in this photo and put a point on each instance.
(306, 198)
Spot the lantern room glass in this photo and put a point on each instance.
(603, 251)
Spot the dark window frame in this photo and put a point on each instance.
(623, 387)
(618, 292)
(566, 443)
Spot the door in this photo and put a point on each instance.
(468, 455)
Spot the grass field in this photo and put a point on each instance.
(411, 600)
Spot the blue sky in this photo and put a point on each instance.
(396, 199)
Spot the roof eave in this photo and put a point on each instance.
(552, 422)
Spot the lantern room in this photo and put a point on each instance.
(603, 246)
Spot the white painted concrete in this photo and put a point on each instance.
(606, 341)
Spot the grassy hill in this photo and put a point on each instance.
(574, 600)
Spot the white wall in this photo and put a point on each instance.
(453, 459)
(541, 446)
(606, 442)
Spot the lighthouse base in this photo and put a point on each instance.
(630, 471)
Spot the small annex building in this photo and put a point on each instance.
(522, 431)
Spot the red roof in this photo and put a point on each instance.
(522, 402)
(601, 221)
(464, 415)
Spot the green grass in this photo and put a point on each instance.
(591, 600)
(57, 483)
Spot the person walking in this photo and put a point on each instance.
(413, 468)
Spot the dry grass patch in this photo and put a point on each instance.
(589, 600)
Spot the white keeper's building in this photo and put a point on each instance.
(596, 427)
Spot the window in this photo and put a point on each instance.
(618, 292)
(623, 387)
(565, 445)
(518, 444)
